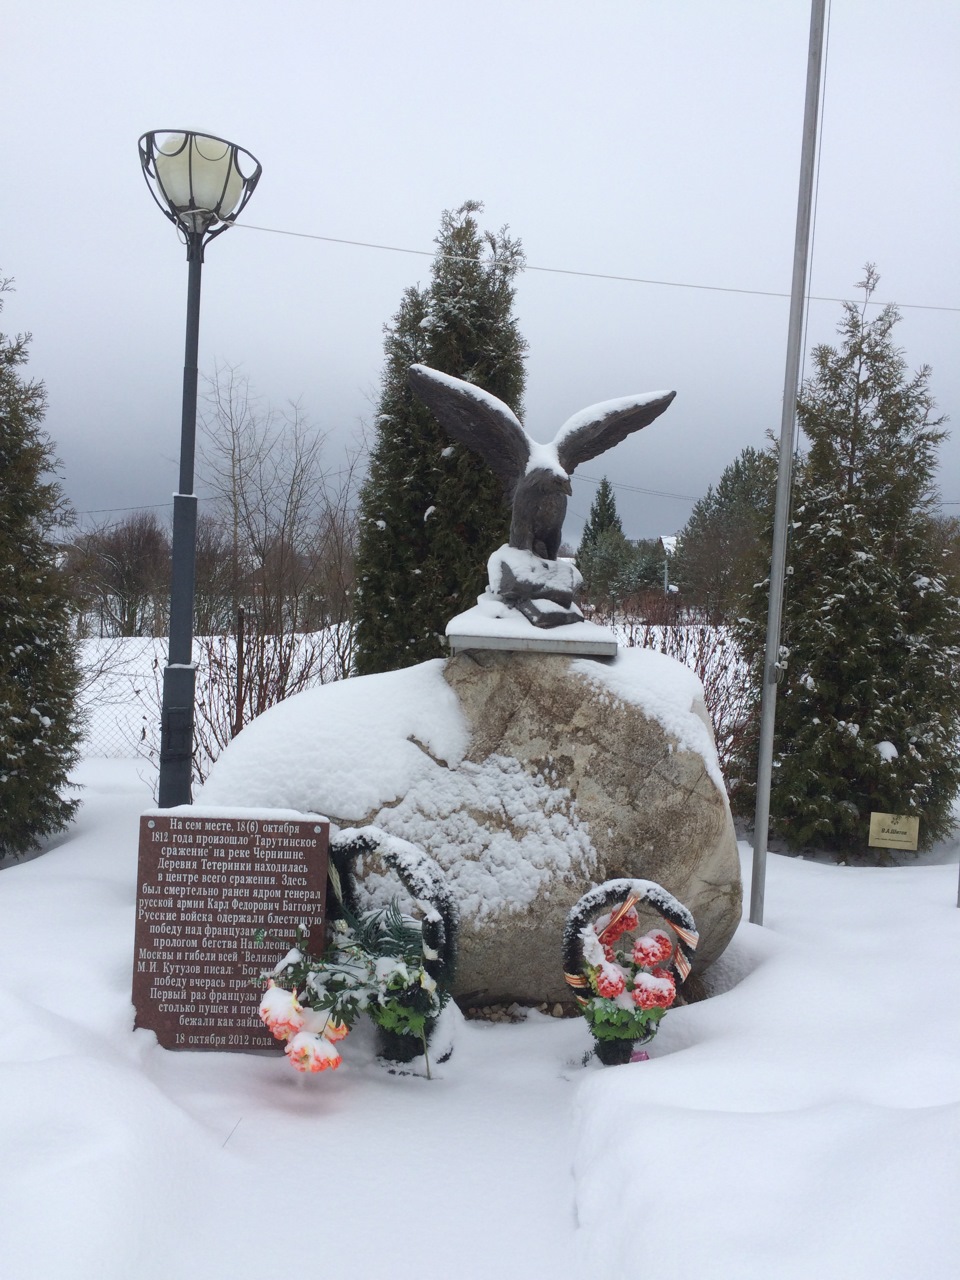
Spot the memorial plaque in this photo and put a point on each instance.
(206, 885)
(893, 831)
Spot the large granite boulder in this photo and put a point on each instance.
(631, 743)
(529, 777)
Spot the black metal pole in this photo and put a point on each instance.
(179, 676)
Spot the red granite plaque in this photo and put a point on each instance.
(206, 885)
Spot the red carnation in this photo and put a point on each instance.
(610, 984)
(653, 948)
(652, 992)
(666, 976)
(627, 922)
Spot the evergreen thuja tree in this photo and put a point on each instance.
(868, 711)
(432, 511)
(393, 543)
(38, 675)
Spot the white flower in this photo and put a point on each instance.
(281, 1011)
(310, 1052)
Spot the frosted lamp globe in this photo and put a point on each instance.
(199, 178)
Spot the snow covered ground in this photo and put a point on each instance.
(805, 1122)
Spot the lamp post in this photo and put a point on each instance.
(201, 184)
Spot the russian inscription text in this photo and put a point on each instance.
(207, 884)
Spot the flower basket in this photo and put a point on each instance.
(625, 983)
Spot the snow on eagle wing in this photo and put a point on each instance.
(599, 427)
(475, 418)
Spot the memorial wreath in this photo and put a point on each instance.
(381, 961)
(625, 983)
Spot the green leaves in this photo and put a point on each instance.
(374, 963)
(608, 1021)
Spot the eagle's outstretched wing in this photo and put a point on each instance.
(475, 418)
(594, 430)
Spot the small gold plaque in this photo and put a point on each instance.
(893, 831)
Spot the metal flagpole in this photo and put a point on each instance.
(771, 662)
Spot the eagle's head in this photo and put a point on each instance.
(544, 471)
(547, 481)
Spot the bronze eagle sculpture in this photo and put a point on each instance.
(536, 477)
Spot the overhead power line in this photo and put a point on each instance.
(589, 275)
(633, 488)
(617, 484)
(109, 511)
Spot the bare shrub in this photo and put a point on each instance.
(274, 564)
(708, 650)
(274, 571)
(240, 676)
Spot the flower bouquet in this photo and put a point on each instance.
(405, 1000)
(312, 1002)
(625, 983)
(311, 1034)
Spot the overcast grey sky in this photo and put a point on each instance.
(656, 139)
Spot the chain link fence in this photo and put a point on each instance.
(120, 696)
(122, 688)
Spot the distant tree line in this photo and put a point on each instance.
(620, 576)
(276, 539)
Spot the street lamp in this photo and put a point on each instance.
(201, 184)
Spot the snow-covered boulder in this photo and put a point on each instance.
(528, 777)
(627, 751)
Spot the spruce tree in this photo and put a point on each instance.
(605, 557)
(868, 711)
(608, 564)
(614, 568)
(432, 511)
(603, 515)
(38, 674)
(647, 568)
